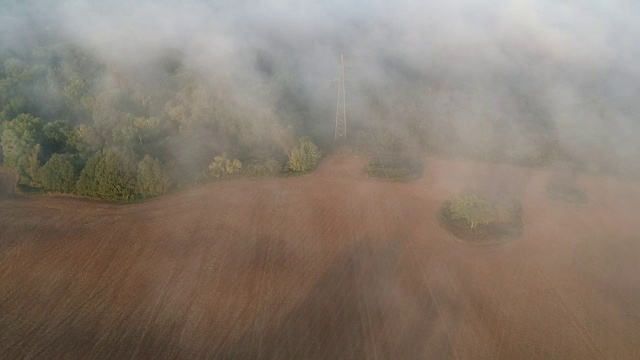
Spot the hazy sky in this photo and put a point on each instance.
(491, 62)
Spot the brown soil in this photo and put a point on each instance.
(7, 184)
(329, 265)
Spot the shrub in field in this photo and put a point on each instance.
(479, 219)
(303, 157)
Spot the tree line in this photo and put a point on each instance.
(71, 123)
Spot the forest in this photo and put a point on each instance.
(73, 124)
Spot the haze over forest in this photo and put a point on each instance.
(484, 204)
(527, 82)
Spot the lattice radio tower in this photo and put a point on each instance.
(341, 107)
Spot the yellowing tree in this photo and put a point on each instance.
(305, 156)
(223, 166)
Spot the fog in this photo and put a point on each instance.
(512, 79)
(335, 264)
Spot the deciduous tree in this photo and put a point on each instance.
(304, 156)
(151, 180)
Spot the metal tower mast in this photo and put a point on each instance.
(341, 107)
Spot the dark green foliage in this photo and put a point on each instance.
(58, 175)
(110, 175)
(304, 156)
(151, 180)
(56, 134)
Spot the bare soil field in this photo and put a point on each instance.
(330, 265)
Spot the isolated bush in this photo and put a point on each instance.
(222, 166)
(58, 174)
(303, 157)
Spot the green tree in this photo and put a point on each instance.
(19, 138)
(58, 174)
(56, 134)
(151, 181)
(110, 175)
(304, 156)
(87, 184)
(33, 166)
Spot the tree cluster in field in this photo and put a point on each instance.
(70, 123)
(478, 218)
(473, 210)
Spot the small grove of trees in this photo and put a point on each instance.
(112, 174)
(481, 219)
(304, 156)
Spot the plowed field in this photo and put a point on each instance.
(331, 265)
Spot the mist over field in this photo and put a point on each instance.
(518, 81)
(196, 198)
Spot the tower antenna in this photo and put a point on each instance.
(341, 107)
